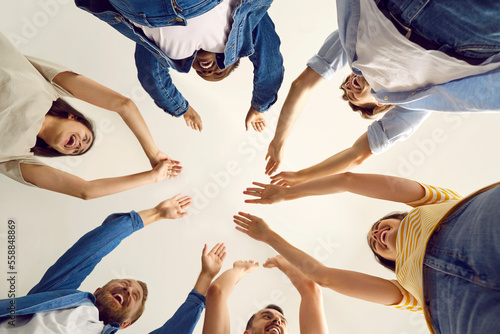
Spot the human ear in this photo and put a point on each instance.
(96, 291)
(71, 116)
(125, 324)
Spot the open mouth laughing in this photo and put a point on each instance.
(71, 142)
(273, 329)
(206, 64)
(120, 298)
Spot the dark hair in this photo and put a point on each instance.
(271, 306)
(365, 112)
(389, 264)
(61, 109)
(145, 292)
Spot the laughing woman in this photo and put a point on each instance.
(445, 252)
(35, 121)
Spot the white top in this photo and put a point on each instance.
(395, 63)
(208, 31)
(26, 95)
(79, 320)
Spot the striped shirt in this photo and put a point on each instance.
(413, 235)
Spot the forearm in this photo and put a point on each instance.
(350, 283)
(203, 283)
(108, 186)
(296, 99)
(136, 123)
(340, 162)
(332, 184)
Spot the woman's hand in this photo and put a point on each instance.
(288, 179)
(159, 157)
(246, 266)
(268, 193)
(211, 262)
(165, 169)
(274, 156)
(254, 226)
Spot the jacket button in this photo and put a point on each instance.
(386, 98)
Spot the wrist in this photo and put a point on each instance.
(205, 274)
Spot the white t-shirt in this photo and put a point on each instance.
(208, 31)
(26, 95)
(79, 320)
(390, 61)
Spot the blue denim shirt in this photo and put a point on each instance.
(477, 93)
(252, 35)
(58, 287)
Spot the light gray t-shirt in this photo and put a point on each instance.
(26, 95)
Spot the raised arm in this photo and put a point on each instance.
(78, 262)
(338, 163)
(187, 315)
(94, 93)
(296, 99)
(217, 313)
(311, 313)
(386, 187)
(50, 178)
(349, 283)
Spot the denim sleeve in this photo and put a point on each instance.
(330, 58)
(156, 80)
(186, 317)
(268, 65)
(78, 262)
(397, 124)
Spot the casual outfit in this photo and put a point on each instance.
(416, 80)
(435, 268)
(27, 95)
(252, 34)
(56, 304)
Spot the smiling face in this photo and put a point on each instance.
(268, 321)
(67, 135)
(205, 65)
(358, 92)
(119, 301)
(382, 238)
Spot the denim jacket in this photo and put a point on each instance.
(57, 289)
(252, 35)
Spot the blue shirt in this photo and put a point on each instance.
(252, 35)
(58, 287)
(477, 93)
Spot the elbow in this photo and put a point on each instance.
(123, 104)
(215, 291)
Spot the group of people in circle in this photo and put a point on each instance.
(408, 60)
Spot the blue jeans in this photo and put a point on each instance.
(470, 28)
(461, 272)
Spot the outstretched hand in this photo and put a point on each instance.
(255, 119)
(211, 262)
(287, 179)
(166, 169)
(253, 226)
(268, 193)
(274, 157)
(193, 120)
(159, 157)
(174, 207)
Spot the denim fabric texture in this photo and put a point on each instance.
(461, 271)
(58, 287)
(470, 28)
(252, 35)
(478, 93)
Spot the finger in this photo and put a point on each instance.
(252, 193)
(219, 248)
(241, 224)
(176, 197)
(242, 230)
(261, 126)
(270, 166)
(248, 216)
(268, 155)
(242, 218)
(223, 257)
(263, 185)
(204, 252)
(184, 199)
(183, 214)
(185, 206)
(254, 125)
(246, 126)
(255, 201)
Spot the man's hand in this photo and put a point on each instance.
(174, 207)
(211, 262)
(193, 120)
(274, 157)
(268, 193)
(287, 179)
(246, 266)
(254, 226)
(255, 119)
(165, 169)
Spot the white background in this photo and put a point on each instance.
(218, 165)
